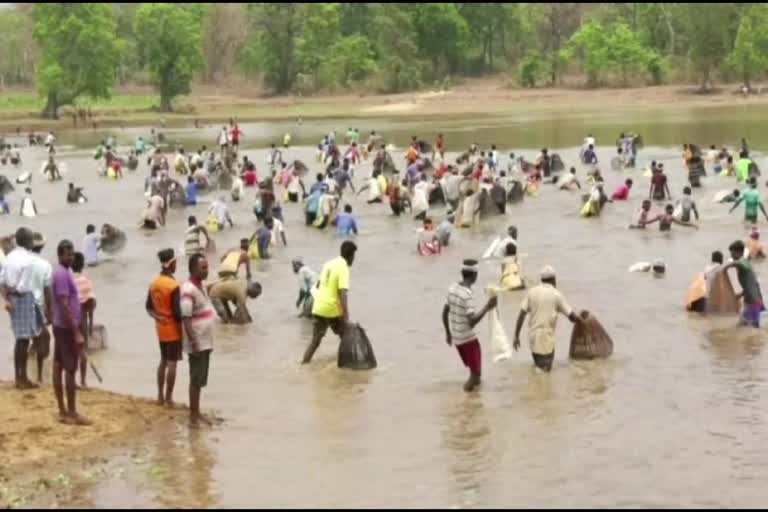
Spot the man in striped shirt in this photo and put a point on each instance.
(459, 320)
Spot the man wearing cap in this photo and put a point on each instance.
(459, 320)
(41, 273)
(164, 305)
(543, 302)
(17, 284)
(331, 308)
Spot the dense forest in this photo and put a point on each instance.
(72, 51)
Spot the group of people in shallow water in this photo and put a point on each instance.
(471, 188)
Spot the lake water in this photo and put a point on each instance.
(675, 418)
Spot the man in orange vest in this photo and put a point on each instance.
(164, 305)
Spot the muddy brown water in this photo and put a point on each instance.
(675, 418)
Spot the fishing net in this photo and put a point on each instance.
(6, 187)
(355, 350)
(556, 163)
(516, 192)
(722, 299)
(589, 339)
(113, 240)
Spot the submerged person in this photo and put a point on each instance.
(459, 319)
(543, 303)
(752, 203)
(511, 270)
(346, 225)
(91, 245)
(191, 191)
(192, 242)
(666, 220)
(154, 213)
(444, 231)
(331, 305)
(52, 170)
(699, 305)
(307, 285)
(622, 193)
(755, 250)
(659, 186)
(428, 242)
(750, 288)
(75, 195)
(687, 205)
(235, 292)
(233, 259)
(218, 212)
(569, 181)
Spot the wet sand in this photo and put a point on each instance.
(31, 435)
(673, 418)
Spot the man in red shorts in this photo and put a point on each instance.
(460, 318)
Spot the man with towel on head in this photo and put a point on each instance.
(459, 320)
(543, 302)
(164, 305)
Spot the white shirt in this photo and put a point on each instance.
(277, 228)
(91, 248)
(28, 207)
(17, 271)
(223, 138)
(41, 273)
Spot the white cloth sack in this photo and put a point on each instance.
(499, 340)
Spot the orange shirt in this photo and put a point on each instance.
(164, 301)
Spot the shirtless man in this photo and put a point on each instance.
(234, 259)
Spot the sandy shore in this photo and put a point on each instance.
(489, 96)
(31, 435)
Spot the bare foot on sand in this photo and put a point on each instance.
(77, 420)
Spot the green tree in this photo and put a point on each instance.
(554, 24)
(19, 50)
(625, 51)
(589, 45)
(396, 47)
(750, 52)
(352, 59)
(271, 47)
(531, 69)
(170, 43)
(707, 29)
(442, 34)
(79, 52)
(314, 45)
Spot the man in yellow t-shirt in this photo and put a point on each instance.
(331, 308)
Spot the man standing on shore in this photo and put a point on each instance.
(543, 303)
(198, 317)
(331, 307)
(17, 289)
(41, 276)
(164, 305)
(66, 333)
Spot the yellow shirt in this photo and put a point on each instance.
(334, 277)
(231, 263)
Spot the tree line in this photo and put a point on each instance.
(74, 51)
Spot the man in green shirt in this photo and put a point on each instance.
(752, 202)
(742, 167)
